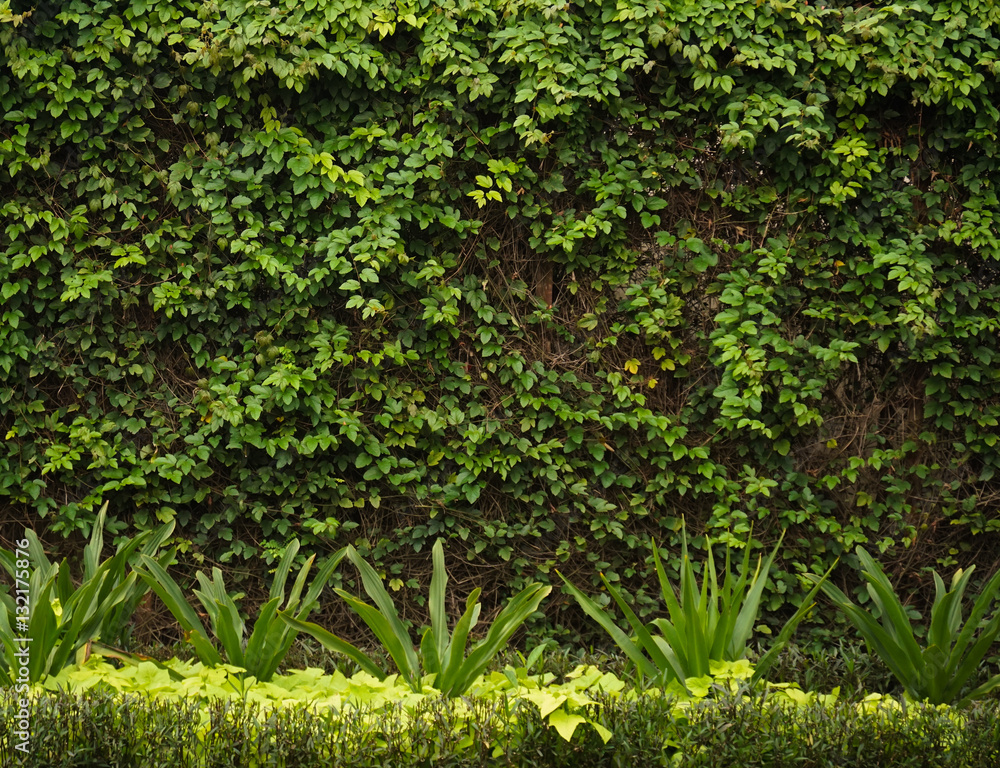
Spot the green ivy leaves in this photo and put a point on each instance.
(526, 277)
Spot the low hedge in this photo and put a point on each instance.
(101, 726)
(96, 728)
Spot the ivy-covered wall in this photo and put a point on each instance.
(541, 278)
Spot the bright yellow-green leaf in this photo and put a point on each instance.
(565, 723)
(545, 701)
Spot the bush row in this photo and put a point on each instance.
(97, 729)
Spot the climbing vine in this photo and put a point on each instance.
(539, 278)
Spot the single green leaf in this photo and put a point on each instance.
(333, 643)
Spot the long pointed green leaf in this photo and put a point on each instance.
(36, 552)
(116, 564)
(299, 585)
(933, 684)
(256, 655)
(79, 622)
(730, 598)
(713, 619)
(942, 610)
(429, 655)
(750, 609)
(278, 639)
(227, 611)
(284, 566)
(212, 596)
(979, 692)
(674, 630)
(160, 535)
(114, 621)
(373, 585)
(979, 609)
(451, 664)
(967, 664)
(436, 600)
(664, 666)
(8, 614)
(230, 636)
(904, 666)
(320, 581)
(894, 617)
(8, 661)
(808, 603)
(166, 588)
(592, 609)
(8, 561)
(211, 607)
(709, 583)
(275, 650)
(667, 590)
(503, 627)
(43, 631)
(514, 614)
(92, 552)
(675, 665)
(679, 643)
(397, 643)
(64, 589)
(945, 613)
(88, 620)
(333, 643)
(693, 610)
(407, 662)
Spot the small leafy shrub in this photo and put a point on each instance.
(712, 623)
(733, 730)
(939, 671)
(848, 665)
(67, 617)
(95, 717)
(441, 653)
(260, 653)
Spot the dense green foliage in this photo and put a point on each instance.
(536, 277)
